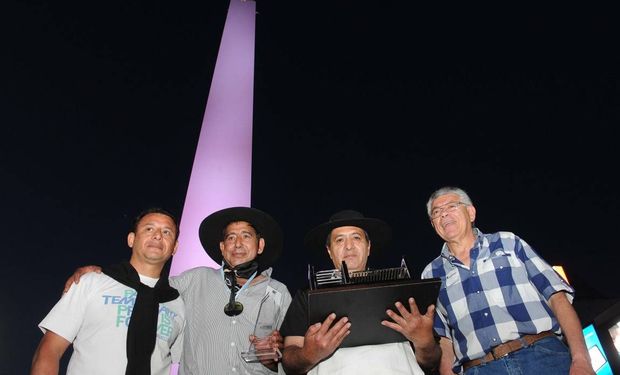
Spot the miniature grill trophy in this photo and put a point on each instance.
(267, 321)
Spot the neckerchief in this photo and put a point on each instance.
(142, 330)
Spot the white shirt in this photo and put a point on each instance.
(94, 316)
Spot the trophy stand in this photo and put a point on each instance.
(261, 349)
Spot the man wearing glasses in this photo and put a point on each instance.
(222, 305)
(501, 308)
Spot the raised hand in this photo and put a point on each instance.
(416, 327)
(75, 278)
(322, 339)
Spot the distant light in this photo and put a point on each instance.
(560, 271)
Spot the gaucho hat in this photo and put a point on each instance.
(379, 232)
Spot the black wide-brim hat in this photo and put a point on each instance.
(379, 232)
(211, 232)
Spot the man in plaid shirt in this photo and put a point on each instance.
(501, 308)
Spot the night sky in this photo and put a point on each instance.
(359, 105)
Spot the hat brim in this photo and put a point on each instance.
(378, 231)
(211, 232)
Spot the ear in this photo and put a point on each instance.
(176, 247)
(471, 210)
(369, 243)
(130, 238)
(261, 245)
(222, 247)
(329, 253)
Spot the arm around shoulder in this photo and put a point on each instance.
(46, 359)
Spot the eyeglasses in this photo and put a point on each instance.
(448, 207)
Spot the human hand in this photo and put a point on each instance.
(271, 348)
(581, 367)
(322, 339)
(75, 278)
(410, 323)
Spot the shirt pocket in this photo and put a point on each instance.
(499, 261)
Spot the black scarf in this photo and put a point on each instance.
(243, 270)
(142, 330)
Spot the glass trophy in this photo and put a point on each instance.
(261, 349)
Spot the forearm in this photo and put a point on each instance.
(571, 326)
(46, 359)
(45, 363)
(428, 354)
(447, 357)
(295, 362)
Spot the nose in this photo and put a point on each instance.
(238, 240)
(348, 243)
(157, 234)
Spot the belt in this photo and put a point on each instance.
(506, 348)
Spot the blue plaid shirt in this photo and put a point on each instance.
(501, 296)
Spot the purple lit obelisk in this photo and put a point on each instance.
(222, 170)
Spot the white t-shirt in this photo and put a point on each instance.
(393, 359)
(94, 316)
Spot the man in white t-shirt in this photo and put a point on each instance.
(126, 320)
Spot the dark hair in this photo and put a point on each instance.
(156, 210)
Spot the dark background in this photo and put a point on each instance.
(364, 105)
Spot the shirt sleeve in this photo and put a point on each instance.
(181, 281)
(177, 347)
(67, 315)
(296, 318)
(541, 274)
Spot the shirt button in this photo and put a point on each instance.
(234, 369)
(232, 344)
(478, 292)
(501, 267)
(234, 322)
(486, 314)
(494, 339)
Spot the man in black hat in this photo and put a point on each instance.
(348, 237)
(222, 305)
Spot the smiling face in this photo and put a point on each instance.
(241, 243)
(351, 245)
(453, 220)
(153, 241)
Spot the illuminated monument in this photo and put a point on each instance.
(222, 170)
